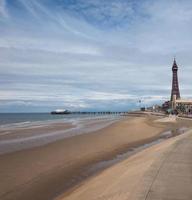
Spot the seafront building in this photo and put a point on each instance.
(177, 105)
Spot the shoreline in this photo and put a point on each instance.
(33, 135)
(55, 164)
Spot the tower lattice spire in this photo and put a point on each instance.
(175, 82)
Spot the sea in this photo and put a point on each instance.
(82, 123)
(27, 118)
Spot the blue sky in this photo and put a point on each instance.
(92, 54)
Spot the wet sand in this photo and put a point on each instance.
(46, 171)
(25, 136)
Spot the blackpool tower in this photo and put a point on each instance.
(175, 83)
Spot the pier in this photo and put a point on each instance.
(99, 113)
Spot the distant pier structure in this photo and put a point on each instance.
(64, 112)
(175, 93)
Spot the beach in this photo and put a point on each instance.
(59, 169)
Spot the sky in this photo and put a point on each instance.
(92, 54)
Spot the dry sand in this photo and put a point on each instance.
(170, 118)
(42, 173)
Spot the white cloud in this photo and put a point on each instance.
(3, 9)
(102, 11)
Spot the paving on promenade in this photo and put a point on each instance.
(170, 178)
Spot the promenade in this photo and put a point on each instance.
(170, 176)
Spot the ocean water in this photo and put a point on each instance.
(27, 118)
(82, 123)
